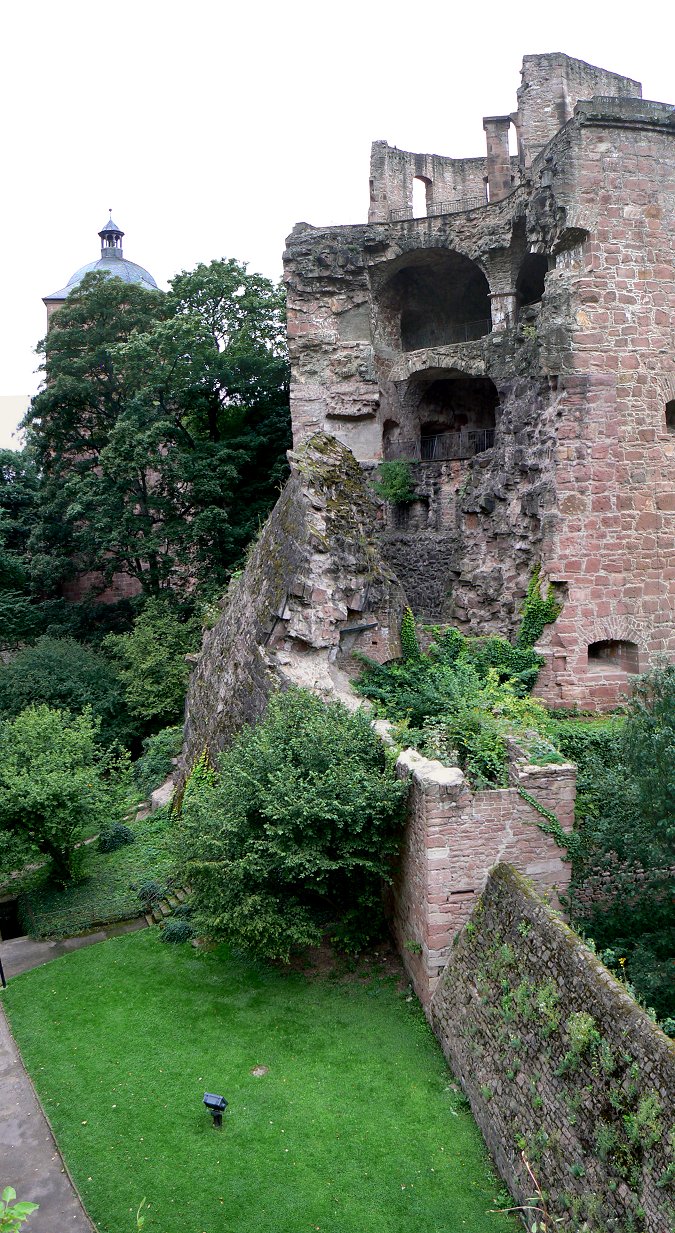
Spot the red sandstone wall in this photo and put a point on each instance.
(454, 838)
(614, 547)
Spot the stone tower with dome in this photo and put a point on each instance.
(112, 263)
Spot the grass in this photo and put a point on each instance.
(104, 891)
(356, 1127)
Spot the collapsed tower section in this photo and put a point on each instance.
(514, 347)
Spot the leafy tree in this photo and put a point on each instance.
(19, 484)
(622, 888)
(151, 663)
(63, 674)
(55, 780)
(162, 428)
(296, 834)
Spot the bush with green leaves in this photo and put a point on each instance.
(56, 780)
(624, 855)
(113, 836)
(460, 700)
(151, 663)
(395, 482)
(65, 675)
(177, 931)
(156, 762)
(294, 835)
(13, 1214)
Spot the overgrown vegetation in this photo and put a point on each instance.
(461, 699)
(395, 482)
(538, 611)
(622, 888)
(107, 886)
(293, 836)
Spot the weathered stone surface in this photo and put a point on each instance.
(559, 298)
(315, 589)
(162, 795)
(501, 1012)
(455, 836)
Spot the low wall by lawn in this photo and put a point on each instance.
(455, 836)
(560, 1064)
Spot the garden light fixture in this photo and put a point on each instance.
(215, 1105)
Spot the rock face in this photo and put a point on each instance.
(516, 350)
(315, 589)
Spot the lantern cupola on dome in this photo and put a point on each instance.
(112, 263)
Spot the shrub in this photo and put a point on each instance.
(177, 931)
(395, 483)
(114, 836)
(622, 884)
(55, 780)
(460, 701)
(150, 893)
(12, 1214)
(296, 834)
(64, 675)
(156, 762)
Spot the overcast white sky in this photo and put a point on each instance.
(210, 128)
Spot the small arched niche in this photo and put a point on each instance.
(531, 278)
(614, 655)
(670, 415)
(433, 298)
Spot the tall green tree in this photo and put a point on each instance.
(19, 495)
(162, 428)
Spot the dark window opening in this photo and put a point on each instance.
(437, 298)
(456, 417)
(615, 654)
(670, 415)
(10, 923)
(530, 281)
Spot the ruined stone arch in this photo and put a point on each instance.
(431, 297)
(621, 641)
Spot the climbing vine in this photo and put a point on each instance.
(537, 612)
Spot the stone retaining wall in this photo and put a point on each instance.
(560, 1064)
(454, 837)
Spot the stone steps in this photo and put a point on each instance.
(165, 906)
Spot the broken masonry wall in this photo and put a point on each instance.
(314, 589)
(455, 836)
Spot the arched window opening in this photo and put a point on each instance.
(530, 281)
(456, 415)
(615, 655)
(420, 196)
(391, 441)
(670, 415)
(435, 298)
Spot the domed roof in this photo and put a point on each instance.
(112, 263)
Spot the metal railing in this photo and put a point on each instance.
(458, 206)
(466, 331)
(445, 446)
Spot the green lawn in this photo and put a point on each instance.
(104, 891)
(356, 1127)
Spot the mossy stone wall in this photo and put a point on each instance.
(560, 1064)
